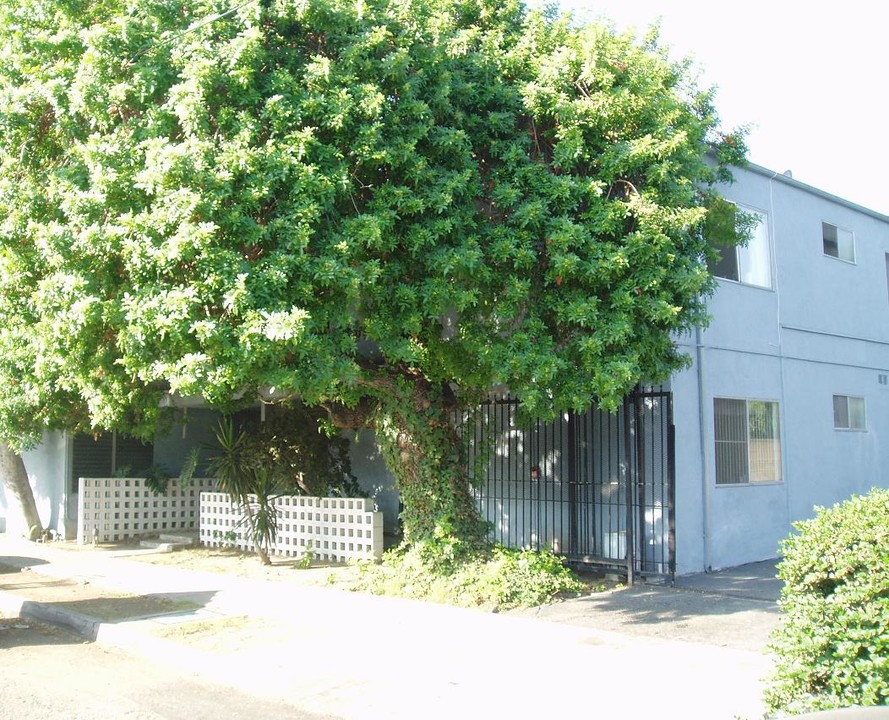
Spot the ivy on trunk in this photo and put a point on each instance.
(423, 450)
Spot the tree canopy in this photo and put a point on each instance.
(398, 202)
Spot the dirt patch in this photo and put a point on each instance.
(246, 565)
(226, 634)
(95, 602)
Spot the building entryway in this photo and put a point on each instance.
(594, 487)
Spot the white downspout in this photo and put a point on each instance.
(68, 450)
(773, 256)
(705, 444)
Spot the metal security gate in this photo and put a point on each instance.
(595, 487)
(651, 463)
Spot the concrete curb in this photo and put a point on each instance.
(70, 620)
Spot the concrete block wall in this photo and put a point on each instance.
(332, 529)
(116, 509)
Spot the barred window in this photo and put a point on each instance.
(108, 455)
(748, 441)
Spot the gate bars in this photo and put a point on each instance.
(597, 488)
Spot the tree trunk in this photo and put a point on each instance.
(424, 452)
(12, 470)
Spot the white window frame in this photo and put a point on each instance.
(749, 262)
(844, 240)
(849, 419)
(776, 472)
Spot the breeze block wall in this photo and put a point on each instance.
(332, 529)
(116, 509)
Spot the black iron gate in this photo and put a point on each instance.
(595, 487)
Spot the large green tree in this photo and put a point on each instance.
(385, 207)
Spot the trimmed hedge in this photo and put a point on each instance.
(833, 645)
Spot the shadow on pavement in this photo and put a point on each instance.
(755, 581)
(747, 589)
(117, 609)
(651, 604)
(18, 632)
(736, 608)
(15, 563)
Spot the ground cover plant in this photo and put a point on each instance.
(499, 579)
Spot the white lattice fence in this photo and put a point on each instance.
(113, 509)
(332, 529)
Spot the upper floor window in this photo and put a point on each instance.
(750, 264)
(848, 413)
(838, 243)
(748, 441)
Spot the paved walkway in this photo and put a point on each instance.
(692, 651)
(735, 608)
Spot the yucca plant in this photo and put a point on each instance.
(240, 474)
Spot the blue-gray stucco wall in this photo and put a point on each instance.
(821, 330)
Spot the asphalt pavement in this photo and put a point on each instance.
(693, 649)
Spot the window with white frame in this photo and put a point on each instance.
(848, 413)
(748, 441)
(837, 242)
(751, 263)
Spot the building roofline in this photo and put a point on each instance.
(773, 175)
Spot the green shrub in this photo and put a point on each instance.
(157, 478)
(833, 645)
(499, 579)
